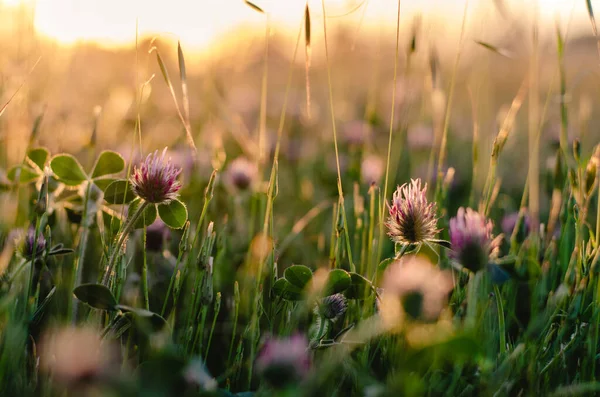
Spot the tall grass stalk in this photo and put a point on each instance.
(390, 136)
(84, 231)
(254, 321)
(183, 116)
(34, 254)
(262, 128)
(475, 150)
(443, 141)
(498, 146)
(564, 115)
(236, 312)
(146, 300)
(183, 248)
(217, 308)
(533, 141)
(335, 141)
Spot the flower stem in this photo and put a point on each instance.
(34, 252)
(164, 308)
(501, 322)
(145, 269)
(77, 275)
(342, 207)
(389, 151)
(217, 308)
(126, 230)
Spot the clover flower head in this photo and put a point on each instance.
(372, 169)
(157, 236)
(415, 288)
(30, 246)
(155, 180)
(332, 307)
(242, 173)
(472, 240)
(75, 356)
(356, 132)
(283, 361)
(412, 219)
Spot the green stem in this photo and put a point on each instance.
(335, 143)
(501, 322)
(32, 268)
(145, 269)
(18, 270)
(474, 282)
(85, 229)
(389, 152)
(596, 328)
(236, 295)
(126, 230)
(173, 276)
(214, 323)
(444, 138)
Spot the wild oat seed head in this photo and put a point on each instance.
(412, 220)
(472, 240)
(156, 179)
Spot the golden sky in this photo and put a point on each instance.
(197, 23)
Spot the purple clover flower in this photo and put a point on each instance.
(414, 288)
(242, 173)
(283, 361)
(510, 221)
(412, 220)
(332, 307)
(472, 240)
(30, 246)
(157, 235)
(156, 179)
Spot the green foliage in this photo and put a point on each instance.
(119, 192)
(298, 275)
(108, 163)
(67, 169)
(96, 295)
(174, 214)
(147, 217)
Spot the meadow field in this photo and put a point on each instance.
(333, 210)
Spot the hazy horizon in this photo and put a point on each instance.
(201, 24)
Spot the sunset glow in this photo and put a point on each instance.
(199, 23)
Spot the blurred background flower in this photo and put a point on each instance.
(414, 290)
(76, 356)
(472, 240)
(242, 173)
(284, 361)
